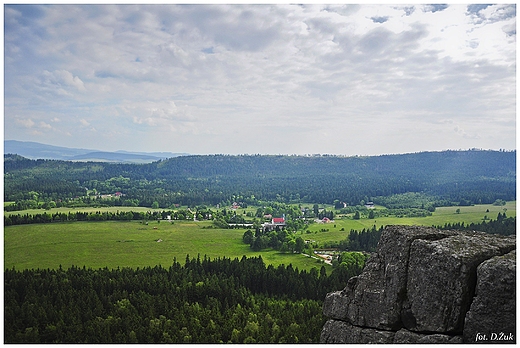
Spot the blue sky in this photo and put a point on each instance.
(266, 79)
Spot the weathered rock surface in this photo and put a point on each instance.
(405, 336)
(375, 297)
(423, 280)
(493, 312)
(442, 278)
(336, 331)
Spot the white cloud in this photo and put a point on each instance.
(43, 125)
(463, 133)
(60, 83)
(27, 123)
(67, 78)
(208, 74)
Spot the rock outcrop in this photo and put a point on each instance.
(425, 285)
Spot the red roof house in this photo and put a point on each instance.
(278, 221)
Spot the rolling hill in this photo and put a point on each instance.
(34, 150)
(464, 177)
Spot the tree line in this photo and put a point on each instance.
(221, 217)
(477, 177)
(72, 216)
(503, 225)
(367, 239)
(203, 301)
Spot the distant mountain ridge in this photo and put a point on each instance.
(34, 150)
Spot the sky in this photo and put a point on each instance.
(261, 79)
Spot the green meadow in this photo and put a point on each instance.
(441, 216)
(115, 244)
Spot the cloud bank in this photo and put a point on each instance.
(282, 79)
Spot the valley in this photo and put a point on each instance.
(220, 249)
(113, 244)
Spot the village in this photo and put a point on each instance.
(327, 255)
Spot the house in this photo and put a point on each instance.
(369, 205)
(278, 221)
(275, 223)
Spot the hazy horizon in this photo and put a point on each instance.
(261, 79)
(269, 154)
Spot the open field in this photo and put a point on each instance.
(441, 216)
(132, 244)
(127, 244)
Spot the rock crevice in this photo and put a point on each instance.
(428, 285)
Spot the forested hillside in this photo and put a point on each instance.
(204, 301)
(468, 177)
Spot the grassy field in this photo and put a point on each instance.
(127, 244)
(441, 216)
(132, 244)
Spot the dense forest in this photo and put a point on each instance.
(202, 301)
(448, 177)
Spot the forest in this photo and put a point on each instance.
(202, 301)
(446, 178)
